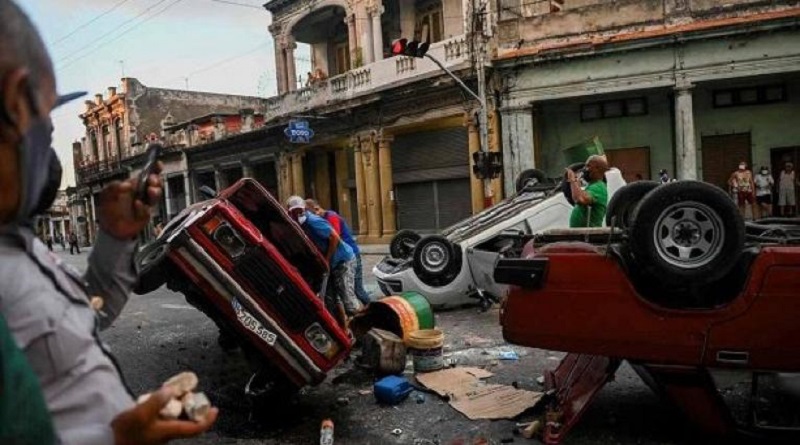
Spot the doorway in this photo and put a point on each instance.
(722, 155)
(778, 159)
(631, 162)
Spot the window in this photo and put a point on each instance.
(635, 106)
(342, 58)
(430, 23)
(733, 97)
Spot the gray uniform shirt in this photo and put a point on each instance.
(47, 308)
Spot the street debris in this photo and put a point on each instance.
(400, 315)
(195, 406)
(425, 347)
(508, 355)
(326, 432)
(383, 352)
(419, 397)
(397, 432)
(472, 397)
(392, 390)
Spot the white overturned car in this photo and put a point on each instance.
(455, 267)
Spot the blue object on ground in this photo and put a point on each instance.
(392, 390)
(509, 355)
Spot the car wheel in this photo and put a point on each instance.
(403, 243)
(153, 266)
(566, 188)
(528, 178)
(436, 260)
(621, 206)
(687, 232)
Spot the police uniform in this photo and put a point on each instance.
(47, 307)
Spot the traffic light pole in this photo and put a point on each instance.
(483, 114)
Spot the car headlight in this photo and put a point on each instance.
(321, 341)
(225, 236)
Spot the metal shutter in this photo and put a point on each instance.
(430, 155)
(454, 201)
(416, 208)
(722, 155)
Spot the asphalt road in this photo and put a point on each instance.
(159, 335)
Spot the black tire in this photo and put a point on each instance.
(625, 200)
(154, 267)
(687, 232)
(529, 177)
(566, 189)
(436, 260)
(403, 243)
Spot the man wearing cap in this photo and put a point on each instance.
(341, 259)
(47, 305)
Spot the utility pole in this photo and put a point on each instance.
(479, 23)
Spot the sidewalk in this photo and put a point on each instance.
(374, 249)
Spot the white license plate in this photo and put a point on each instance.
(250, 322)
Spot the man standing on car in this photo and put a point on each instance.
(590, 204)
(338, 254)
(343, 230)
(45, 303)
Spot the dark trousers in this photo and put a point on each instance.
(74, 246)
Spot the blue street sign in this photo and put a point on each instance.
(299, 132)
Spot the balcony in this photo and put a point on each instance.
(374, 77)
(91, 172)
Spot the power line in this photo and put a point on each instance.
(219, 63)
(227, 2)
(84, 25)
(112, 31)
(102, 45)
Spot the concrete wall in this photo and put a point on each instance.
(452, 12)
(770, 126)
(561, 127)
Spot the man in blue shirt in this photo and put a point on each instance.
(339, 255)
(343, 230)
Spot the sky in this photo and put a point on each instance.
(220, 46)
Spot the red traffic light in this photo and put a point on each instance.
(414, 48)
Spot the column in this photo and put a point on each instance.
(387, 185)
(475, 184)
(284, 167)
(298, 183)
(377, 33)
(496, 147)
(369, 154)
(322, 180)
(361, 189)
(50, 227)
(187, 187)
(63, 227)
(352, 39)
(280, 58)
(291, 71)
(685, 145)
(167, 199)
(517, 139)
(247, 170)
(218, 180)
(91, 218)
(342, 192)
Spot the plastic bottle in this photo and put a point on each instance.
(326, 432)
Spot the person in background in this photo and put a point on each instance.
(590, 203)
(741, 183)
(343, 230)
(73, 243)
(764, 184)
(786, 190)
(663, 176)
(49, 241)
(338, 254)
(45, 303)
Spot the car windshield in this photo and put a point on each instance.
(493, 215)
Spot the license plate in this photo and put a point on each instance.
(251, 323)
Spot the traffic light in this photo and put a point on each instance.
(487, 165)
(414, 48)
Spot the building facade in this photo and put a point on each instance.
(692, 86)
(119, 124)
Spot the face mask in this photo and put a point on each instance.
(301, 219)
(764, 172)
(741, 166)
(41, 170)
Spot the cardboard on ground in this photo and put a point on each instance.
(476, 399)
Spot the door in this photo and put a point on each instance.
(631, 162)
(722, 155)
(342, 58)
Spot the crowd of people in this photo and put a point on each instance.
(757, 191)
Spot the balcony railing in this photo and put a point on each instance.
(89, 172)
(377, 76)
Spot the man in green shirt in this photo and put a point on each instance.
(590, 203)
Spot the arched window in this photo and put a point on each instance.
(118, 138)
(93, 141)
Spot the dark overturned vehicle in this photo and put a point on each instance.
(241, 260)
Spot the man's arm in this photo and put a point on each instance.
(333, 244)
(111, 274)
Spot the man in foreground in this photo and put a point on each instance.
(590, 203)
(47, 305)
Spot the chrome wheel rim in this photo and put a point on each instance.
(688, 235)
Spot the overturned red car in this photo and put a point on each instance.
(240, 259)
(678, 285)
